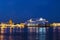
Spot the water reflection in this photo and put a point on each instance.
(42, 33)
(33, 33)
(50, 33)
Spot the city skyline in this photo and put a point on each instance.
(31, 19)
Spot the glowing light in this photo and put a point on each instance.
(55, 24)
(42, 30)
(22, 25)
(40, 19)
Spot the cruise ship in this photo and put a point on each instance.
(10, 27)
(38, 22)
(29, 25)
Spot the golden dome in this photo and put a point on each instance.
(10, 21)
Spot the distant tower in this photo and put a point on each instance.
(10, 21)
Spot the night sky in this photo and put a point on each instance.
(22, 10)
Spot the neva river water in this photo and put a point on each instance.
(32, 33)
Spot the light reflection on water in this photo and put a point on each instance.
(35, 33)
(42, 33)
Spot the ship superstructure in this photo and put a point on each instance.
(37, 22)
(30, 24)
